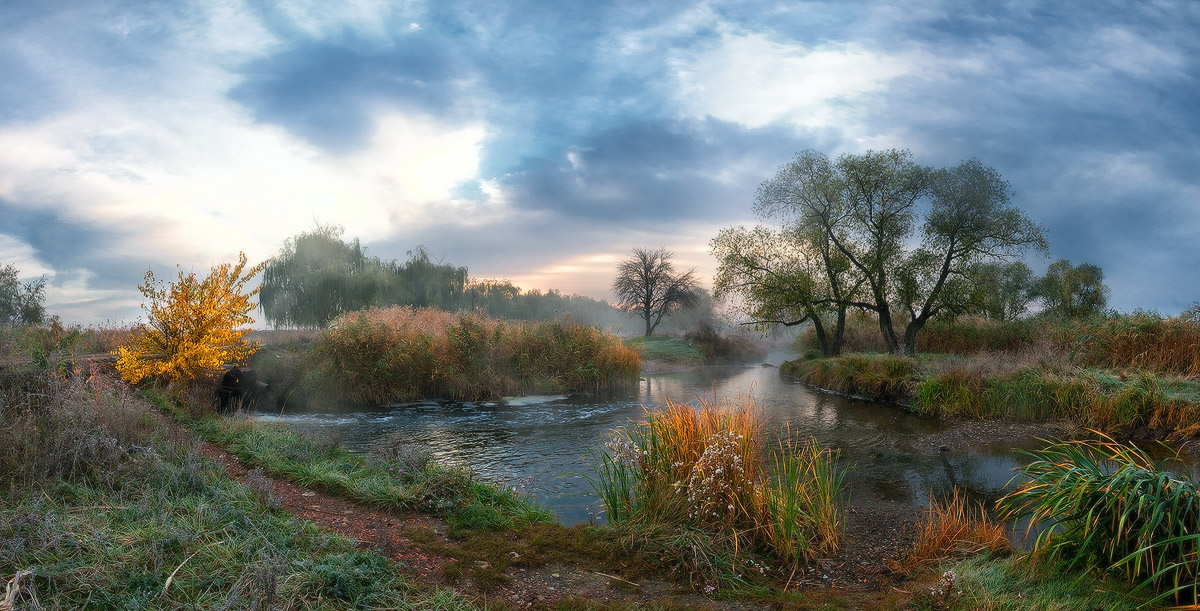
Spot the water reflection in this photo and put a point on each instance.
(543, 441)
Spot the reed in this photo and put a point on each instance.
(1111, 506)
(954, 528)
(403, 353)
(707, 469)
(1142, 340)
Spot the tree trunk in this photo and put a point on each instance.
(649, 327)
(910, 335)
(890, 341)
(822, 340)
(839, 330)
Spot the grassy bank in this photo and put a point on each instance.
(1009, 387)
(393, 475)
(401, 354)
(702, 346)
(1124, 374)
(105, 508)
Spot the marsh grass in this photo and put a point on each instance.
(951, 529)
(1090, 398)
(1111, 507)
(401, 353)
(882, 377)
(699, 484)
(108, 509)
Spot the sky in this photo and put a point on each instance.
(540, 142)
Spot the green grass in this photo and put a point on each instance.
(110, 510)
(670, 349)
(881, 377)
(1016, 584)
(453, 493)
(1110, 507)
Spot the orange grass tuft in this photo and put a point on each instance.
(954, 529)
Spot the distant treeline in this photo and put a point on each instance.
(318, 276)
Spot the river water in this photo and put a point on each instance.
(540, 444)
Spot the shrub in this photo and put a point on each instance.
(726, 348)
(1110, 505)
(193, 325)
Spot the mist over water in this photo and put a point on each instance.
(540, 443)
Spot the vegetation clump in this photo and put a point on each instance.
(954, 528)
(402, 353)
(193, 325)
(701, 484)
(1111, 507)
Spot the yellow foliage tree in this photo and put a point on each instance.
(194, 325)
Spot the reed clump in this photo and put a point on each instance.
(703, 477)
(404, 353)
(953, 529)
(1110, 507)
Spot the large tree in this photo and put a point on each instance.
(868, 206)
(1072, 291)
(786, 278)
(21, 302)
(648, 286)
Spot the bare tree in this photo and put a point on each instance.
(648, 286)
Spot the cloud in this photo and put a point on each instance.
(749, 79)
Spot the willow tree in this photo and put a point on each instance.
(1072, 291)
(868, 207)
(316, 276)
(785, 277)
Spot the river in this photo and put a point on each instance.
(540, 444)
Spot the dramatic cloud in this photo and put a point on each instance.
(540, 142)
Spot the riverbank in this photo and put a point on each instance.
(1018, 387)
(441, 551)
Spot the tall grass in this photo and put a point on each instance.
(954, 528)
(707, 469)
(402, 353)
(54, 343)
(1036, 393)
(1142, 341)
(881, 377)
(1112, 507)
(108, 509)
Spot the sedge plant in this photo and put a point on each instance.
(1111, 506)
